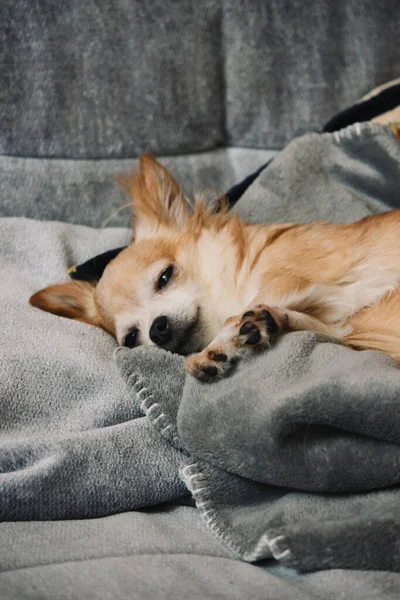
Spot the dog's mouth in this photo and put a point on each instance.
(186, 338)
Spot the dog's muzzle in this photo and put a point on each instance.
(181, 337)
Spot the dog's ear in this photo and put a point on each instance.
(74, 300)
(156, 198)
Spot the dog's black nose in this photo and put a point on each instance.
(160, 331)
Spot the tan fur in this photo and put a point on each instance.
(339, 279)
(147, 186)
(74, 300)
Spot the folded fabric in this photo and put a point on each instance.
(297, 454)
(73, 444)
(321, 420)
(286, 457)
(381, 105)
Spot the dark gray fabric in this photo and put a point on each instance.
(110, 79)
(113, 79)
(290, 66)
(85, 192)
(310, 416)
(297, 454)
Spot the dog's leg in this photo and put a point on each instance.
(255, 330)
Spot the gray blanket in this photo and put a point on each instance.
(297, 455)
(73, 443)
(283, 459)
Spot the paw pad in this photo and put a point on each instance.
(250, 329)
(247, 328)
(209, 370)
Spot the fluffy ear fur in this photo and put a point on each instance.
(156, 198)
(74, 300)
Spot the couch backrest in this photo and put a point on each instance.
(114, 78)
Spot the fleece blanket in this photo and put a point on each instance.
(73, 443)
(296, 456)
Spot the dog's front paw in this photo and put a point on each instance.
(258, 327)
(252, 331)
(210, 364)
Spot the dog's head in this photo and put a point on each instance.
(157, 290)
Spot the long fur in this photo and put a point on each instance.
(339, 279)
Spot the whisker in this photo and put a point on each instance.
(115, 213)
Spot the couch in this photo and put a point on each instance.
(214, 88)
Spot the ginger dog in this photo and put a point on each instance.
(189, 270)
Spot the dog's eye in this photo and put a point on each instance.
(131, 338)
(165, 277)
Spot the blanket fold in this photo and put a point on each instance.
(311, 416)
(291, 497)
(296, 455)
(73, 443)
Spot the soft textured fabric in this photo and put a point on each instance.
(163, 552)
(381, 106)
(72, 441)
(85, 192)
(339, 177)
(113, 79)
(110, 79)
(285, 456)
(297, 454)
(56, 362)
(291, 65)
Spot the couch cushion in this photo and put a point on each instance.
(110, 79)
(290, 66)
(84, 191)
(113, 79)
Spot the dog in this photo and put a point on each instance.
(190, 269)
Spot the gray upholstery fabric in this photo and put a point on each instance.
(84, 192)
(110, 79)
(163, 529)
(113, 79)
(290, 66)
(164, 552)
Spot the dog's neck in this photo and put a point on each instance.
(221, 273)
